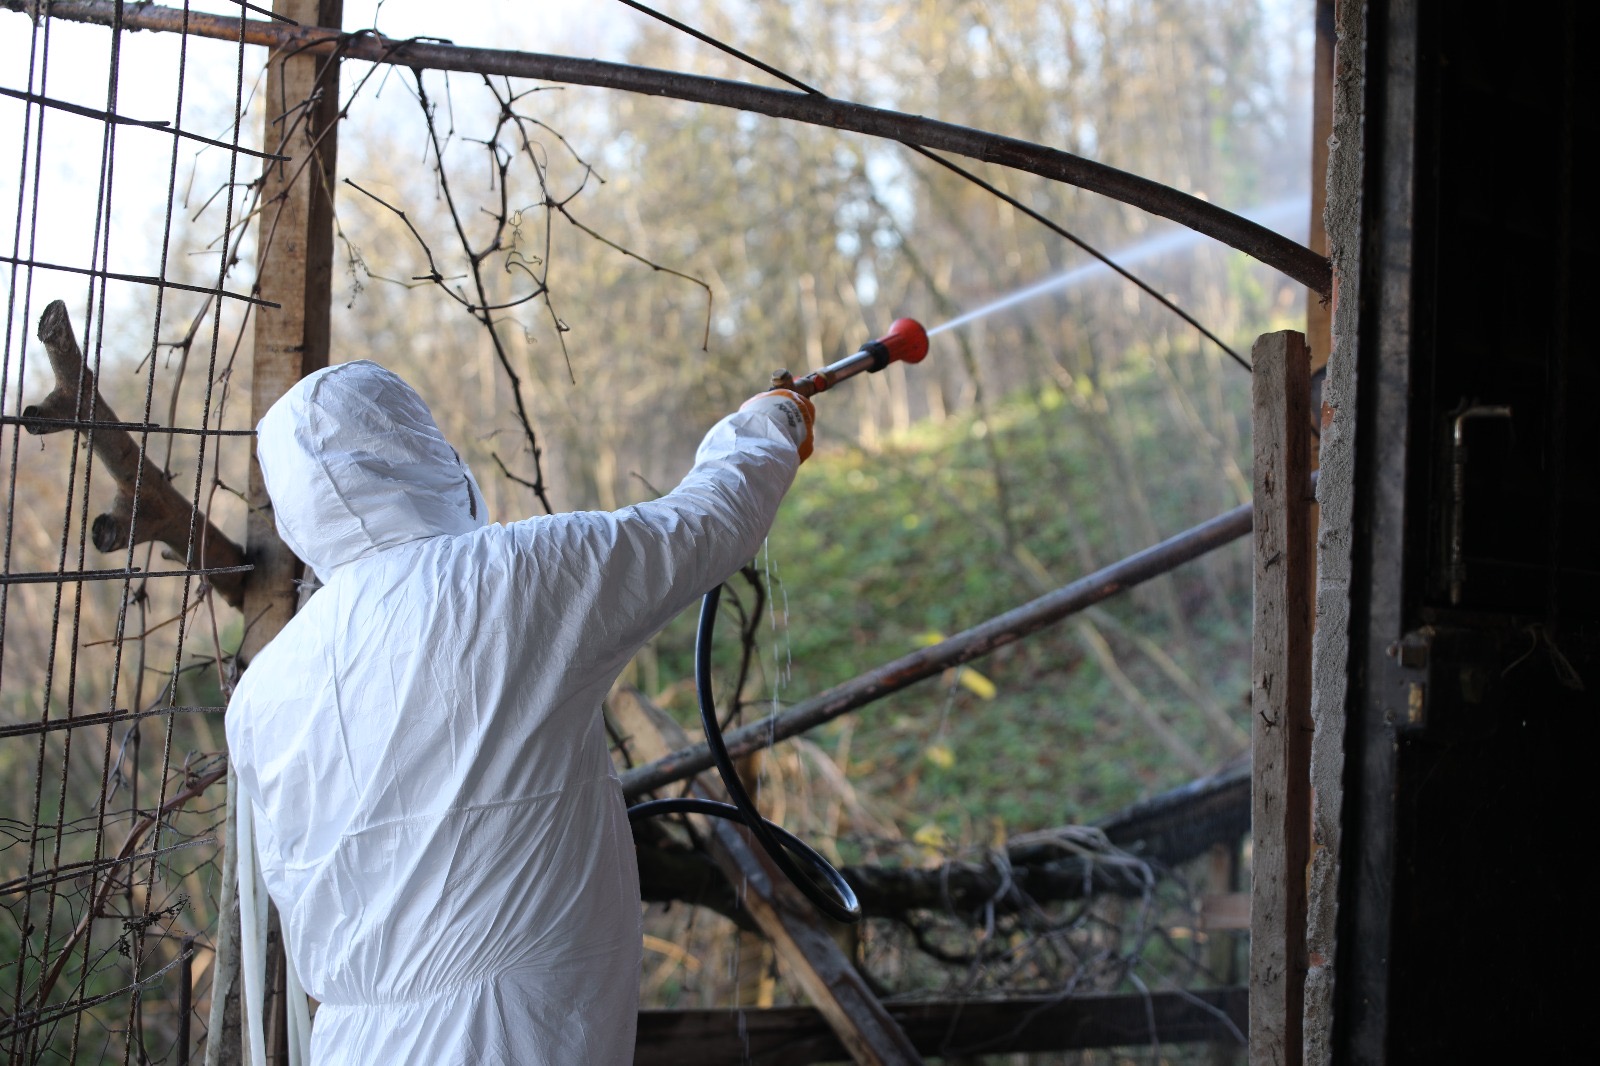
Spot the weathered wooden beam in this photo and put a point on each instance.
(296, 272)
(949, 1029)
(861, 1025)
(1182, 823)
(1225, 912)
(1280, 698)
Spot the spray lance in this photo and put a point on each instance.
(906, 342)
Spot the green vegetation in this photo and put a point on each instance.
(876, 554)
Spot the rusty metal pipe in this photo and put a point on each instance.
(964, 647)
(1290, 257)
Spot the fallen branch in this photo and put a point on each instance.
(1118, 856)
(147, 507)
(798, 933)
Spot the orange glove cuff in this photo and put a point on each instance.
(791, 407)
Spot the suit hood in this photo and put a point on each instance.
(354, 463)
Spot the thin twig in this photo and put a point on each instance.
(97, 901)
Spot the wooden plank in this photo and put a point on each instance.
(863, 1029)
(949, 1029)
(1280, 698)
(294, 270)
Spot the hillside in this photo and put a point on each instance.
(877, 553)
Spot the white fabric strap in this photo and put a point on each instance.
(299, 1015)
(252, 934)
(253, 955)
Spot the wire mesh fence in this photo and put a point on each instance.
(122, 455)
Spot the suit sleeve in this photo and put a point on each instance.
(624, 574)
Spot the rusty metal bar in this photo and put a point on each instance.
(57, 577)
(25, 1022)
(84, 721)
(963, 647)
(1279, 252)
(38, 426)
(134, 279)
(159, 125)
(72, 871)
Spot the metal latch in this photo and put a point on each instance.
(1406, 699)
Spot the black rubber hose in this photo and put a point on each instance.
(776, 841)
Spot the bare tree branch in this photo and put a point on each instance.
(148, 822)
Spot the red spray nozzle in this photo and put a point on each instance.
(906, 341)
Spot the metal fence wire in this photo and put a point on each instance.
(122, 458)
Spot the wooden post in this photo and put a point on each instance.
(1280, 698)
(795, 929)
(294, 270)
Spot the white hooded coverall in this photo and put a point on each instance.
(437, 817)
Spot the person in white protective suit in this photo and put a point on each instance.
(435, 810)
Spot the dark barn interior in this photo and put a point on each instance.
(1474, 624)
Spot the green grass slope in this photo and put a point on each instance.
(875, 555)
